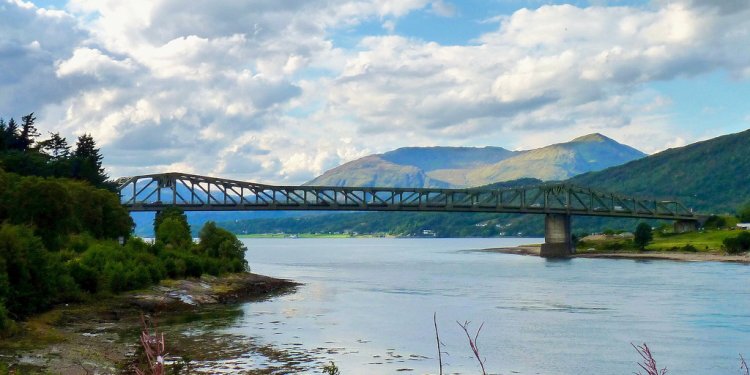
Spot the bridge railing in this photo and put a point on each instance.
(193, 192)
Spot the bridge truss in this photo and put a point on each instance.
(199, 193)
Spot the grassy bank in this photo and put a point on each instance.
(708, 241)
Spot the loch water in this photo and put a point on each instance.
(367, 304)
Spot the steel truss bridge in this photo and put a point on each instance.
(156, 192)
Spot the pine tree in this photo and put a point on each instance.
(11, 135)
(56, 146)
(87, 162)
(29, 132)
(3, 139)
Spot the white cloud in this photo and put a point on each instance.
(259, 90)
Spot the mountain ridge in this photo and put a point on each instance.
(442, 166)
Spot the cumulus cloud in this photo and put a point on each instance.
(260, 90)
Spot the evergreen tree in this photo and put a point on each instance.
(29, 132)
(3, 139)
(643, 235)
(11, 135)
(87, 161)
(56, 147)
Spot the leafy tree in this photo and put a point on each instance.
(87, 162)
(643, 235)
(219, 243)
(173, 212)
(44, 205)
(173, 232)
(35, 278)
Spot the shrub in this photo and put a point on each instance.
(219, 243)
(689, 248)
(172, 232)
(34, 282)
(738, 244)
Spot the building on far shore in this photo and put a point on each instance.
(743, 226)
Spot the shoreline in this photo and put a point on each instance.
(533, 250)
(101, 335)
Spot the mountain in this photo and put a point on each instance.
(471, 166)
(560, 161)
(373, 170)
(712, 176)
(409, 166)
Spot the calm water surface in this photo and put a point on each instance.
(367, 304)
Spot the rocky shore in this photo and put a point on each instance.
(100, 337)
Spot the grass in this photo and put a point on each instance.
(706, 241)
(709, 241)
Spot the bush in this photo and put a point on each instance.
(689, 249)
(172, 232)
(738, 244)
(219, 243)
(35, 280)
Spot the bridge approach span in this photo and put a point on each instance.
(558, 202)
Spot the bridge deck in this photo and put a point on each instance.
(200, 193)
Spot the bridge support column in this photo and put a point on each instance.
(683, 226)
(558, 242)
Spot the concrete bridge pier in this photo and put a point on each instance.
(558, 242)
(682, 226)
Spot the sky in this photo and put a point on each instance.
(278, 91)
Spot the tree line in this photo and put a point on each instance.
(64, 237)
(22, 151)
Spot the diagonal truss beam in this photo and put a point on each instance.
(201, 193)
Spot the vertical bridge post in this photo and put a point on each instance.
(558, 241)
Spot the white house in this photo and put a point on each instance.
(743, 226)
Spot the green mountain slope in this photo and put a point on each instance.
(472, 166)
(559, 161)
(712, 176)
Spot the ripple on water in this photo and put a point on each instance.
(555, 307)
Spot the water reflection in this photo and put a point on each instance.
(367, 304)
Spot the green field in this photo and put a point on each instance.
(710, 240)
(703, 241)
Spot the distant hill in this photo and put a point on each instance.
(559, 161)
(471, 166)
(373, 170)
(711, 176)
